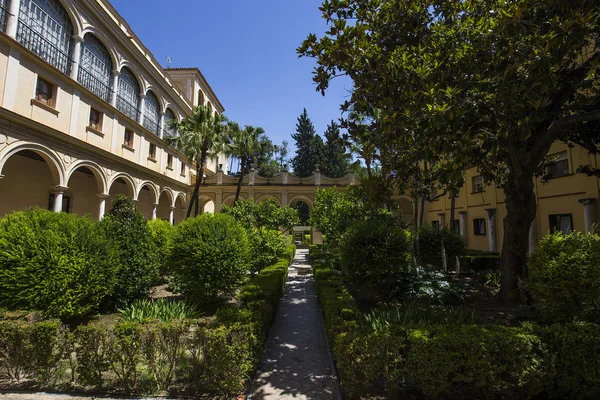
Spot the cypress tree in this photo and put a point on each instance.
(335, 160)
(309, 147)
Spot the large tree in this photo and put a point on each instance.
(309, 147)
(492, 82)
(245, 146)
(201, 136)
(335, 160)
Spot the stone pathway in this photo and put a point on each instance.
(297, 362)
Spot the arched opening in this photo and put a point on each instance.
(95, 67)
(28, 181)
(151, 113)
(164, 206)
(208, 206)
(169, 130)
(120, 186)
(210, 107)
(180, 210)
(200, 98)
(303, 211)
(228, 201)
(128, 95)
(46, 29)
(146, 201)
(84, 187)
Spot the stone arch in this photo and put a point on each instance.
(303, 204)
(266, 197)
(69, 7)
(95, 169)
(179, 197)
(127, 179)
(105, 40)
(164, 204)
(201, 97)
(147, 199)
(303, 198)
(52, 158)
(152, 187)
(205, 200)
(228, 201)
(179, 208)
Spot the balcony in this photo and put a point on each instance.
(43, 48)
(94, 85)
(152, 126)
(127, 108)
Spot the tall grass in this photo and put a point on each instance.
(161, 309)
(411, 314)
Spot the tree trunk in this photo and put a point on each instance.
(521, 210)
(416, 214)
(240, 180)
(452, 211)
(201, 175)
(422, 215)
(194, 199)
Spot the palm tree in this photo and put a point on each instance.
(201, 136)
(245, 146)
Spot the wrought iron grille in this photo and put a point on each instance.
(95, 67)
(93, 84)
(3, 15)
(168, 130)
(151, 117)
(45, 29)
(128, 97)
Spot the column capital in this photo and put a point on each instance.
(155, 205)
(462, 213)
(77, 39)
(59, 189)
(490, 211)
(116, 72)
(589, 200)
(441, 214)
(172, 208)
(103, 196)
(142, 96)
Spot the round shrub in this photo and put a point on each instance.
(267, 246)
(430, 246)
(138, 258)
(58, 263)
(374, 253)
(210, 255)
(564, 276)
(162, 231)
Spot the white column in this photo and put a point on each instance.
(161, 124)
(493, 246)
(77, 40)
(154, 208)
(442, 219)
(102, 205)
(58, 198)
(533, 236)
(115, 87)
(171, 215)
(589, 213)
(251, 176)
(12, 21)
(142, 108)
(462, 216)
(218, 200)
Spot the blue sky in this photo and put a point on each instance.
(247, 51)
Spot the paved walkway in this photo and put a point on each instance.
(296, 363)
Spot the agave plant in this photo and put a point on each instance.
(161, 309)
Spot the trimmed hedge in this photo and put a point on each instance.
(450, 361)
(150, 356)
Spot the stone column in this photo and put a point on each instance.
(12, 21)
(493, 244)
(284, 198)
(462, 217)
(172, 215)
(218, 200)
(533, 236)
(115, 87)
(251, 176)
(220, 177)
(142, 109)
(442, 219)
(58, 198)
(154, 209)
(284, 178)
(589, 213)
(102, 205)
(317, 175)
(161, 124)
(77, 40)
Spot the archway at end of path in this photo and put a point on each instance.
(303, 211)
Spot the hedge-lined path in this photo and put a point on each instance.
(297, 362)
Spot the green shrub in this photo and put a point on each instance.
(14, 352)
(162, 232)
(210, 255)
(374, 254)
(46, 347)
(290, 252)
(161, 309)
(92, 354)
(124, 354)
(59, 263)
(430, 246)
(564, 276)
(266, 247)
(138, 257)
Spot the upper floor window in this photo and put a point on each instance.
(45, 29)
(95, 119)
(169, 130)
(128, 96)
(170, 161)
(151, 113)
(128, 138)
(200, 98)
(479, 226)
(152, 151)
(44, 92)
(3, 14)
(477, 182)
(560, 165)
(95, 67)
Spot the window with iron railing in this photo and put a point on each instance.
(95, 67)
(3, 14)
(169, 130)
(128, 96)
(151, 113)
(45, 29)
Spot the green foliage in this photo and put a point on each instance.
(335, 163)
(210, 255)
(266, 214)
(414, 314)
(124, 354)
(163, 310)
(309, 147)
(138, 255)
(290, 252)
(267, 246)
(45, 349)
(92, 354)
(432, 239)
(14, 351)
(162, 232)
(55, 262)
(564, 276)
(374, 254)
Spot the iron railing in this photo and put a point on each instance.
(43, 48)
(127, 108)
(151, 125)
(95, 85)
(3, 18)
